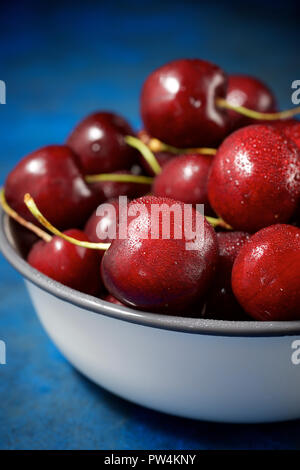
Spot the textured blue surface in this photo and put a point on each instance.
(59, 63)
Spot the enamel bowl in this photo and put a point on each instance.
(226, 371)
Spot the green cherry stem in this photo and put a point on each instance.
(119, 178)
(145, 151)
(33, 228)
(222, 103)
(218, 222)
(29, 201)
(156, 145)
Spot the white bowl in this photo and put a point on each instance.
(213, 370)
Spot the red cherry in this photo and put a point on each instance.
(251, 93)
(159, 275)
(221, 303)
(184, 178)
(98, 140)
(255, 178)
(266, 274)
(291, 128)
(52, 177)
(73, 266)
(103, 223)
(178, 103)
(112, 189)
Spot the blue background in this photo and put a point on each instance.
(60, 62)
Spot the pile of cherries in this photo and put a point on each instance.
(207, 139)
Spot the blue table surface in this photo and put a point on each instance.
(61, 62)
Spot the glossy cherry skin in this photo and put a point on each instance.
(291, 128)
(54, 180)
(251, 93)
(73, 266)
(255, 178)
(221, 302)
(98, 140)
(178, 103)
(112, 189)
(266, 274)
(103, 223)
(159, 275)
(185, 178)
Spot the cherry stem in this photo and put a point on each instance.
(33, 228)
(29, 201)
(157, 146)
(218, 222)
(222, 103)
(119, 178)
(145, 151)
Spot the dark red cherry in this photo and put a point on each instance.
(22, 237)
(291, 128)
(221, 302)
(178, 103)
(184, 178)
(98, 140)
(251, 93)
(73, 266)
(54, 180)
(112, 189)
(255, 178)
(161, 274)
(103, 221)
(266, 274)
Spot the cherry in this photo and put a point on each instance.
(255, 178)
(178, 103)
(113, 189)
(51, 175)
(103, 223)
(184, 178)
(22, 237)
(72, 265)
(165, 273)
(159, 275)
(266, 274)
(251, 93)
(221, 303)
(98, 140)
(291, 128)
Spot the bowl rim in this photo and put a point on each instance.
(166, 322)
